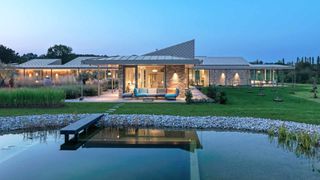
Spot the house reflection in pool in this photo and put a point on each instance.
(136, 138)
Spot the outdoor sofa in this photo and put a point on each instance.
(167, 93)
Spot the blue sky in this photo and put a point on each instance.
(254, 29)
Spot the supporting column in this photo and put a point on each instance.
(98, 80)
(225, 77)
(255, 77)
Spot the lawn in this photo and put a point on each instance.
(241, 103)
(299, 107)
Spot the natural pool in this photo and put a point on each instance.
(113, 153)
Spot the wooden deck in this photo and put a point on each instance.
(82, 124)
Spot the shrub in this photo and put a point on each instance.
(211, 92)
(27, 97)
(188, 97)
(90, 90)
(216, 94)
(74, 92)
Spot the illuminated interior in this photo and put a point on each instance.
(151, 76)
(130, 82)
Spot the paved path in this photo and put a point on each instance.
(196, 94)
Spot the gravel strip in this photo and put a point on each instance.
(14, 123)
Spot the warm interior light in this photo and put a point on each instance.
(109, 73)
(37, 74)
(57, 75)
(154, 70)
(30, 75)
(236, 76)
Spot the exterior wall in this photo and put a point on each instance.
(176, 77)
(228, 77)
(120, 83)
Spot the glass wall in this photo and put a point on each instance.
(151, 76)
(199, 77)
(130, 82)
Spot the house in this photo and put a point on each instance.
(172, 67)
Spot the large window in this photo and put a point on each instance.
(151, 77)
(130, 82)
(199, 77)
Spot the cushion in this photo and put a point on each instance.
(142, 95)
(152, 91)
(127, 95)
(161, 91)
(143, 90)
(171, 91)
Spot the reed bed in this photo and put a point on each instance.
(31, 97)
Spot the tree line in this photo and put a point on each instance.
(58, 51)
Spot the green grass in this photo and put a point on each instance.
(299, 107)
(31, 97)
(74, 108)
(240, 103)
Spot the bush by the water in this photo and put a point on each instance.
(35, 97)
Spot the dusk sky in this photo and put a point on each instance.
(263, 29)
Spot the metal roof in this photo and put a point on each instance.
(77, 63)
(225, 61)
(135, 60)
(56, 64)
(222, 63)
(185, 49)
(40, 63)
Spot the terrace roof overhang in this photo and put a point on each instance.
(271, 66)
(222, 67)
(143, 60)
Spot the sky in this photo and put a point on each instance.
(254, 29)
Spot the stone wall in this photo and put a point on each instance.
(176, 77)
(217, 77)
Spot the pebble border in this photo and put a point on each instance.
(36, 122)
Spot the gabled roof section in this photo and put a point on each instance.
(39, 63)
(185, 50)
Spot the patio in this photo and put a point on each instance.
(113, 96)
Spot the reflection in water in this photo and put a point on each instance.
(135, 138)
(312, 153)
(107, 153)
(40, 136)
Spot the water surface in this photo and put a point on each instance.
(113, 153)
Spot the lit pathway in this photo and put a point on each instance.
(196, 94)
(114, 108)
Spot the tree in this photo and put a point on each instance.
(62, 52)
(28, 56)
(8, 55)
(7, 72)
